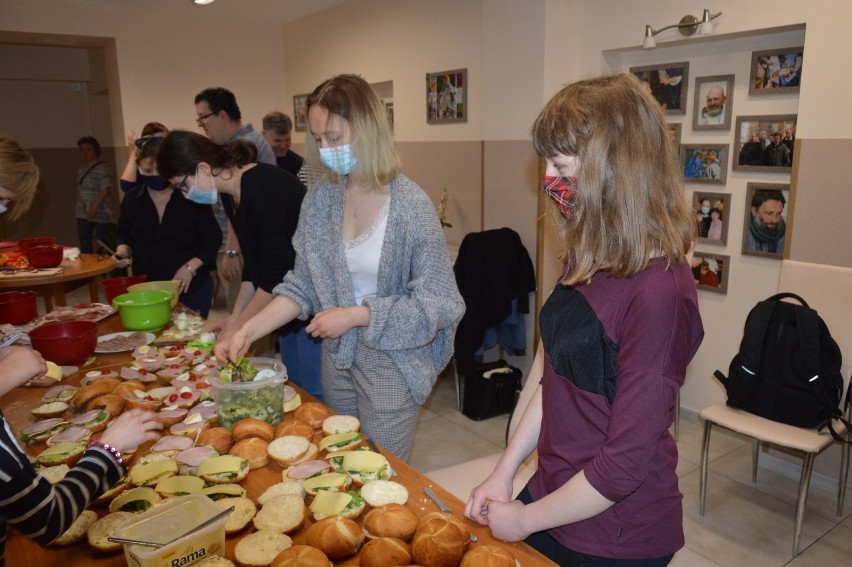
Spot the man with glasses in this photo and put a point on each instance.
(218, 114)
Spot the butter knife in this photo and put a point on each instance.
(441, 506)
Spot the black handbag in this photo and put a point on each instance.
(490, 390)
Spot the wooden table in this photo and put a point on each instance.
(16, 407)
(74, 274)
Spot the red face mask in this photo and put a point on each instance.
(561, 189)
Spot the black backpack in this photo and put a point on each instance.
(788, 366)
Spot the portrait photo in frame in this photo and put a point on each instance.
(765, 222)
(704, 163)
(776, 71)
(668, 83)
(446, 98)
(674, 132)
(711, 271)
(712, 215)
(755, 143)
(300, 112)
(714, 102)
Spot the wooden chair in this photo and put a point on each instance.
(826, 289)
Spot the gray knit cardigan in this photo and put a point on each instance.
(418, 306)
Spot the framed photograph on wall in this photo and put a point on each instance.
(765, 143)
(668, 83)
(446, 99)
(714, 101)
(776, 71)
(704, 163)
(711, 213)
(300, 112)
(674, 132)
(711, 271)
(765, 222)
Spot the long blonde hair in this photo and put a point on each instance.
(351, 97)
(18, 173)
(629, 204)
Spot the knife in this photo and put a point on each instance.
(375, 449)
(441, 506)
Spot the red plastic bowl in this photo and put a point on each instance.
(114, 287)
(27, 243)
(64, 342)
(44, 256)
(17, 307)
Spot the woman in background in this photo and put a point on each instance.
(618, 332)
(373, 268)
(94, 195)
(133, 174)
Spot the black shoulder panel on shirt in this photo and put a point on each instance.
(575, 340)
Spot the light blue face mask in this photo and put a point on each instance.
(3, 206)
(196, 195)
(339, 159)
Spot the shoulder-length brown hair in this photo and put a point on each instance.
(629, 204)
(351, 97)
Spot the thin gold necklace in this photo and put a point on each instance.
(354, 204)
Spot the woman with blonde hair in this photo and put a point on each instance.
(372, 266)
(618, 332)
(19, 177)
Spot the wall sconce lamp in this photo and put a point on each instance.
(687, 26)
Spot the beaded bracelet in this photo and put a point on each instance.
(108, 448)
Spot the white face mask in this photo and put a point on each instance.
(339, 159)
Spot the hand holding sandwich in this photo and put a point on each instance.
(131, 429)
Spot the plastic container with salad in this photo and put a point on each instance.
(249, 387)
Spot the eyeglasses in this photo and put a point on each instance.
(180, 186)
(204, 117)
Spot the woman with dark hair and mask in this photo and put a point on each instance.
(372, 267)
(135, 172)
(618, 332)
(166, 236)
(262, 202)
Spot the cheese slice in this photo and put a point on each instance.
(221, 464)
(328, 480)
(330, 503)
(60, 449)
(364, 461)
(53, 370)
(337, 438)
(147, 473)
(182, 484)
(134, 495)
(227, 490)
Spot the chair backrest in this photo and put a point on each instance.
(828, 289)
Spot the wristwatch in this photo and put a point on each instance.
(232, 253)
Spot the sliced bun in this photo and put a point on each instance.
(488, 556)
(384, 552)
(314, 413)
(252, 427)
(301, 556)
(288, 449)
(217, 437)
(391, 520)
(244, 511)
(260, 548)
(252, 449)
(283, 514)
(336, 537)
(104, 528)
(340, 424)
(281, 488)
(52, 409)
(77, 530)
(381, 492)
(298, 427)
(214, 561)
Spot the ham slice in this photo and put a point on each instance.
(86, 417)
(70, 435)
(195, 456)
(131, 373)
(289, 393)
(170, 417)
(308, 469)
(172, 443)
(51, 394)
(42, 425)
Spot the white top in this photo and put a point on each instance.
(362, 257)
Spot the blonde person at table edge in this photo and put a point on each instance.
(372, 266)
(28, 502)
(617, 331)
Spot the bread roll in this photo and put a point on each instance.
(298, 427)
(336, 536)
(252, 449)
(52, 409)
(314, 413)
(391, 520)
(217, 437)
(285, 450)
(128, 388)
(488, 556)
(282, 514)
(110, 402)
(384, 552)
(439, 541)
(301, 556)
(381, 492)
(252, 427)
(214, 561)
(100, 530)
(87, 393)
(279, 489)
(244, 512)
(260, 548)
(340, 424)
(77, 530)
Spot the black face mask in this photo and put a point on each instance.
(153, 182)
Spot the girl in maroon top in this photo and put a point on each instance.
(617, 332)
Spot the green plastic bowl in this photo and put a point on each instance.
(144, 310)
(172, 286)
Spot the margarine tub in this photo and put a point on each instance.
(164, 523)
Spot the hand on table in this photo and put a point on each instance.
(131, 429)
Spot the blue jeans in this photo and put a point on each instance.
(85, 229)
(301, 354)
(201, 299)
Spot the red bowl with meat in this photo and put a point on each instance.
(64, 342)
(17, 307)
(44, 256)
(27, 243)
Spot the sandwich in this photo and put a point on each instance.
(70, 435)
(61, 454)
(189, 459)
(331, 482)
(252, 449)
(292, 399)
(110, 402)
(348, 504)
(223, 469)
(304, 470)
(366, 466)
(217, 437)
(252, 427)
(42, 430)
(340, 441)
(61, 393)
(95, 419)
(113, 491)
(179, 485)
(135, 500)
(145, 474)
(220, 491)
(49, 378)
(52, 409)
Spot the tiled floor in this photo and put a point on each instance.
(745, 524)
